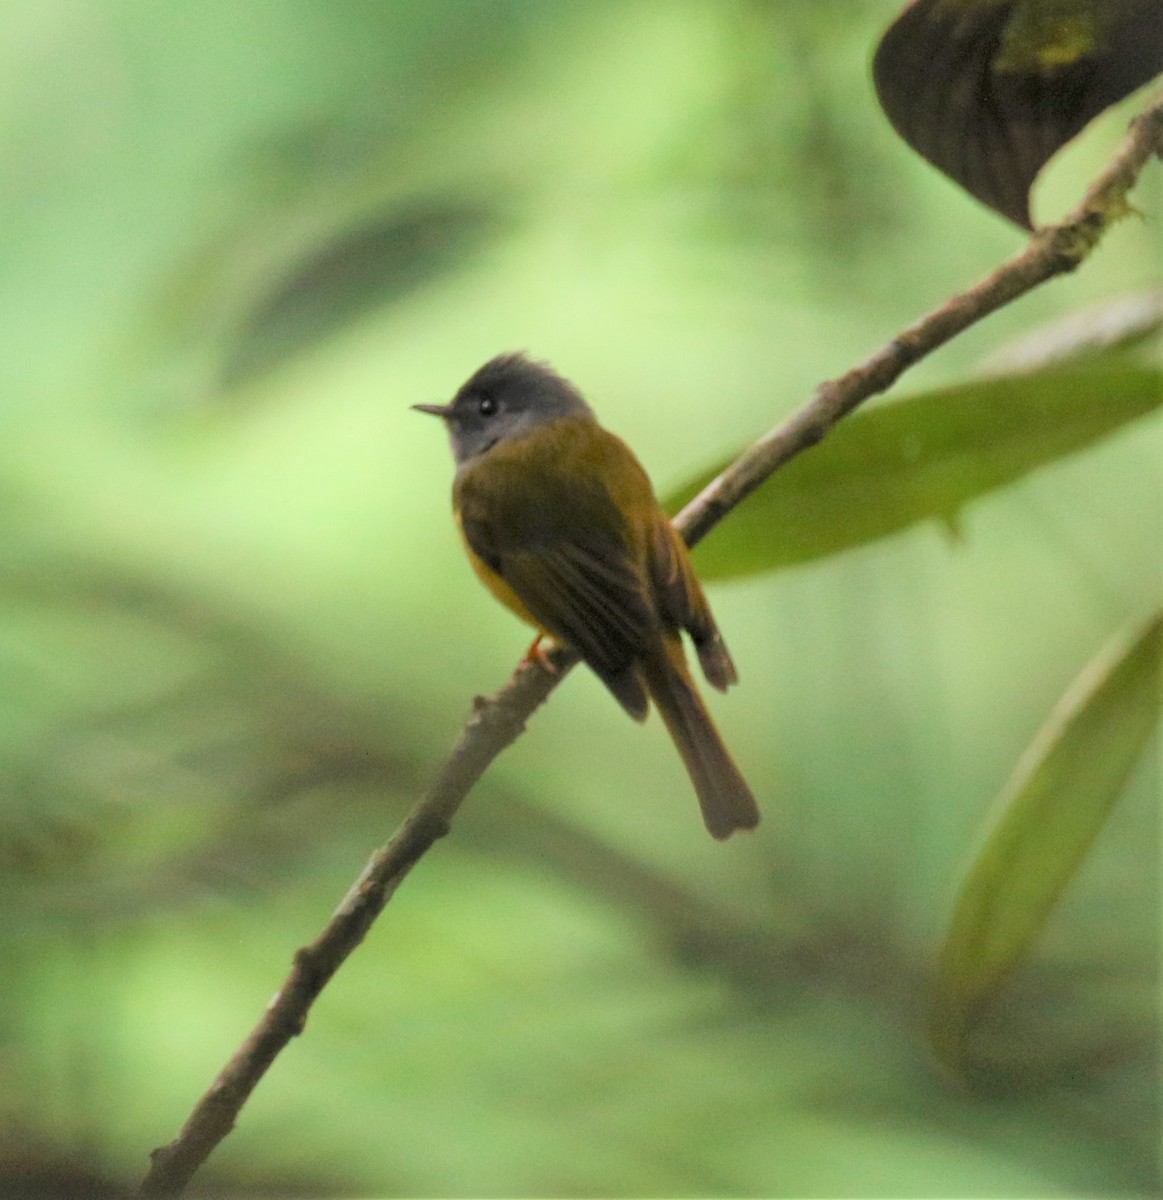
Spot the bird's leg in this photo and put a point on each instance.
(537, 655)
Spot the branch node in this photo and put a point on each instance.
(904, 349)
(431, 827)
(304, 961)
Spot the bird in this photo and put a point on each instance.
(561, 524)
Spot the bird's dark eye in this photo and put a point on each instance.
(486, 406)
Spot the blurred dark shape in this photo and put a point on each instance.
(358, 270)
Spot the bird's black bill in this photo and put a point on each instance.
(436, 410)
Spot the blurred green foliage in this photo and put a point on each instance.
(237, 633)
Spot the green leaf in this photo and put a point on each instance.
(891, 466)
(1043, 824)
(988, 90)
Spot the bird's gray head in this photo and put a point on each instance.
(507, 397)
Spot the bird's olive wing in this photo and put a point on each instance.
(682, 603)
(568, 558)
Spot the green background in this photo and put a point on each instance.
(237, 634)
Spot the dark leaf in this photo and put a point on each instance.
(988, 90)
(889, 467)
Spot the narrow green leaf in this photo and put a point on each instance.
(925, 457)
(1044, 822)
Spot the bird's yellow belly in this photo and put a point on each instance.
(499, 588)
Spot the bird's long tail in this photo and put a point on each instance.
(724, 796)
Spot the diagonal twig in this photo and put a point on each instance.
(498, 720)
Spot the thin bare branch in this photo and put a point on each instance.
(498, 720)
(1053, 250)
